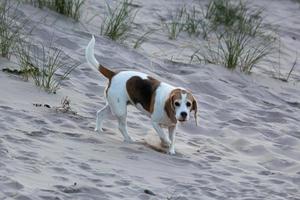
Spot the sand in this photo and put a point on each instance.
(247, 144)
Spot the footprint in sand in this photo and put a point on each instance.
(122, 182)
(37, 133)
(5, 108)
(85, 166)
(130, 150)
(213, 158)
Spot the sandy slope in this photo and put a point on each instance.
(246, 147)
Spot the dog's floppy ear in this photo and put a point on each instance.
(195, 109)
(170, 109)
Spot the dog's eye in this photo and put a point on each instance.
(177, 104)
(188, 104)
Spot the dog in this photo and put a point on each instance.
(163, 103)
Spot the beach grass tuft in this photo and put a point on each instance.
(70, 8)
(193, 22)
(239, 38)
(54, 67)
(118, 22)
(47, 65)
(176, 24)
(11, 26)
(185, 19)
(140, 40)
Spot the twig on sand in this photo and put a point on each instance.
(65, 106)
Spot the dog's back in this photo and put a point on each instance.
(131, 87)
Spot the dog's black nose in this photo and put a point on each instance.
(183, 115)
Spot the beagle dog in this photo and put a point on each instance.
(163, 103)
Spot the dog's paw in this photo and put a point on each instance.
(171, 152)
(165, 144)
(128, 140)
(99, 130)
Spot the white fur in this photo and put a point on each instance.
(162, 94)
(90, 55)
(117, 98)
(183, 107)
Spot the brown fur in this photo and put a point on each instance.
(142, 91)
(194, 106)
(169, 105)
(155, 82)
(106, 72)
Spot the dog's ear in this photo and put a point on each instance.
(170, 109)
(195, 109)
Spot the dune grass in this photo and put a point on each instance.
(235, 50)
(286, 79)
(11, 26)
(118, 22)
(277, 74)
(54, 66)
(69, 8)
(239, 38)
(185, 19)
(140, 40)
(225, 12)
(176, 24)
(47, 65)
(193, 23)
(27, 67)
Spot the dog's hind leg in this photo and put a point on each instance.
(119, 109)
(101, 115)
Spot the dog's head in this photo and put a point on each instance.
(180, 104)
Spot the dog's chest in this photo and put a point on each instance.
(162, 94)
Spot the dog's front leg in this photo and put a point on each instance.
(163, 137)
(172, 134)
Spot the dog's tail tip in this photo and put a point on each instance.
(91, 44)
(89, 53)
(92, 61)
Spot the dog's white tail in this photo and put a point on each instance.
(90, 57)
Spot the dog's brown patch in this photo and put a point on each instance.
(142, 91)
(169, 105)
